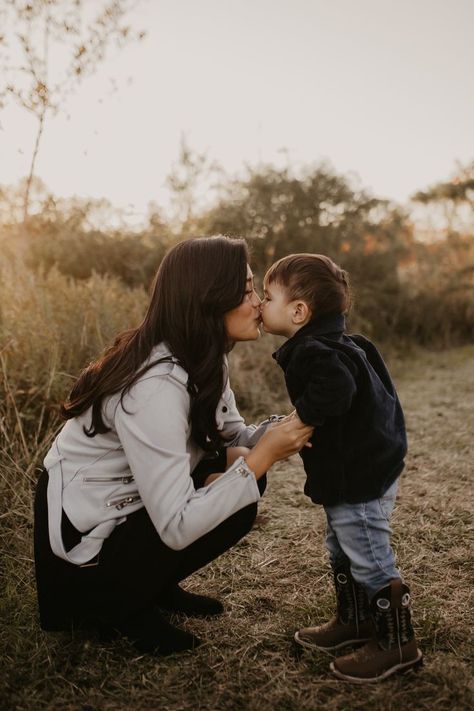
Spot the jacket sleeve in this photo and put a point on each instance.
(232, 426)
(153, 430)
(330, 386)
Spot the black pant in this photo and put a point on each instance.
(132, 568)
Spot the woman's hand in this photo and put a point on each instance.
(292, 416)
(287, 436)
(280, 441)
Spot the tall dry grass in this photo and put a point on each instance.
(50, 327)
(51, 324)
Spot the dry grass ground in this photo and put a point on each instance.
(274, 581)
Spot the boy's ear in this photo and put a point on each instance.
(300, 312)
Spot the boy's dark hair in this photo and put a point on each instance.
(315, 279)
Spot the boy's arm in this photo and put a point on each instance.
(330, 388)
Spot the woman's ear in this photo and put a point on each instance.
(301, 313)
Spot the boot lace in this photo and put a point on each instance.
(352, 600)
(346, 605)
(393, 624)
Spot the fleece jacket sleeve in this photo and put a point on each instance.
(329, 388)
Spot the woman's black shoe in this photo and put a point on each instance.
(175, 599)
(149, 632)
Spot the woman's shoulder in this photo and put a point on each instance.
(163, 384)
(163, 363)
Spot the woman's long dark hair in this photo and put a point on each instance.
(198, 281)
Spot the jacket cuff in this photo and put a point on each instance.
(242, 475)
(250, 436)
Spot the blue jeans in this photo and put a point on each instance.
(359, 535)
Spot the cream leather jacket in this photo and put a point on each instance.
(144, 460)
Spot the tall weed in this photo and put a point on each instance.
(50, 327)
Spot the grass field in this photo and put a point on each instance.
(274, 581)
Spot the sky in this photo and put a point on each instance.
(380, 89)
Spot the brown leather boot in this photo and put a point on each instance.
(394, 648)
(351, 623)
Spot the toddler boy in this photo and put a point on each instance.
(340, 385)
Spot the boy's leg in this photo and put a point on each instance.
(337, 557)
(363, 532)
(351, 624)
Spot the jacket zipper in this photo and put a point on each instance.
(106, 479)
(125, 501)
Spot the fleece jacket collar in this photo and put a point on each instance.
(328, 325)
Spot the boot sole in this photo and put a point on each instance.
(341, 645)
(398, 668)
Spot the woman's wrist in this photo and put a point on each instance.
(259, 461)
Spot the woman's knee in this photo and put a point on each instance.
(234, 453)
(262, 484)
(244, 519)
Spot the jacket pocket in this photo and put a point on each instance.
(121, 502)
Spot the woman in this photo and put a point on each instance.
(155, 474)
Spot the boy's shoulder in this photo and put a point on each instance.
(358, 338)
(312, 345)
(316, 349)
(352, 347)
(365, 344)
(323, 343)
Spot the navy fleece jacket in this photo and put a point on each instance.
(341, 386)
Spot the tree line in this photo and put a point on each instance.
(404, 287)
